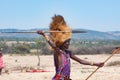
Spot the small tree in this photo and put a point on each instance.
(21, 48)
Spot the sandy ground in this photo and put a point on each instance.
(16, 66)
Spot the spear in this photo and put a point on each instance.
(73, 31)
(115, 51)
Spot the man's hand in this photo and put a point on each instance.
(101, 64)
(41, 32)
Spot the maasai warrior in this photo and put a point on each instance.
(60, 42)
(1, 62)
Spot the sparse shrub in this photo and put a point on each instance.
(115, 63)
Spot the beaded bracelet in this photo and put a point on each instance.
(91, 63)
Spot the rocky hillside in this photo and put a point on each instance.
(91, 34)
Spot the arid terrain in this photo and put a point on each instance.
(21, 68)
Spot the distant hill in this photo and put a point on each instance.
(115, 33)
(18, 35)
(91, 34)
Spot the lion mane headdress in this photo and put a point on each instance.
(58, 24)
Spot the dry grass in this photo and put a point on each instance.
(16, 66)
(114, 63)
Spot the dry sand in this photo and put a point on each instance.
(16, 66)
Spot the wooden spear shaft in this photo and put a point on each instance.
(74, 31)
(98, 67)
(113, 52)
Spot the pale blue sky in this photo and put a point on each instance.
(100, 15)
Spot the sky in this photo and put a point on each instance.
(99, 15)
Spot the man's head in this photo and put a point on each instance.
(65, 44)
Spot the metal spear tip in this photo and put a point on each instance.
(116, 50)
(117, 47)
(79, 31)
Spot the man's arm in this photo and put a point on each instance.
(49, 41)
(86, 62)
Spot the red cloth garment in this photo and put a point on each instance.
(64, 72)
(1, 61)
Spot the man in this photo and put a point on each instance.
(60, 42)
